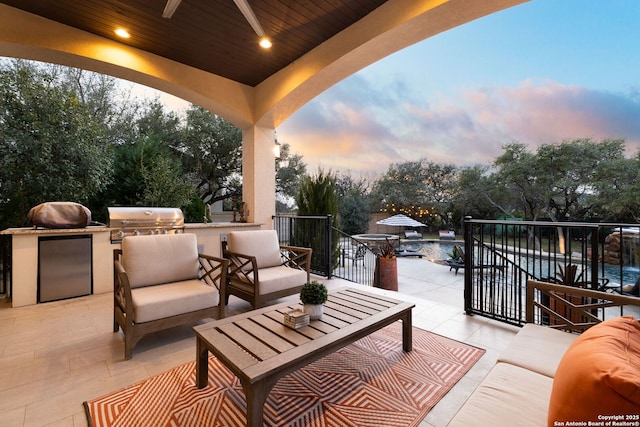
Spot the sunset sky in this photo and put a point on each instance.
(541, 72)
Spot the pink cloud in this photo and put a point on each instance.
(551, 112)
(359, 126)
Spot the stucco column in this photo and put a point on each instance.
(259, 174)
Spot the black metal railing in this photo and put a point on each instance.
(357, 261)
(335, 253)
(500, 256)
(313, 232)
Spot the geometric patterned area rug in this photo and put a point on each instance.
(371, 382)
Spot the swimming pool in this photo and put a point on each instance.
(437, 250)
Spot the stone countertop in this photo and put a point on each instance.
(220, 225)
(104, 228)
(40, 230)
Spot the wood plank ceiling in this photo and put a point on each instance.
(211, 35)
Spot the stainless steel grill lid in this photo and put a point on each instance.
(133, 221)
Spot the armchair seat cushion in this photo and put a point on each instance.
(171, 299)
(275, 279)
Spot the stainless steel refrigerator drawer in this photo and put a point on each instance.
(64, 267)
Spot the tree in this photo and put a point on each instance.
(420, 189)
(51, 146)
(617, 185)
(100, 94)
(317, 196)
(517, 175)
(568, 172)
(289, 171)
(439, 180)
(164, 184)
(354, 213)
(212, 155)
(353, 204)
(73, 125)
(561, 181)
(476, 195)
(153, 120)
(147, 175)
(401, 187)
(147, 172)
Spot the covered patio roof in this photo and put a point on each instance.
(212, 36)
(207, 53)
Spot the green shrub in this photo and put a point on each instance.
(314, 293)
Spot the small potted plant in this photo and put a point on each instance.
(313, 295)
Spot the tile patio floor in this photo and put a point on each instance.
(56, 355)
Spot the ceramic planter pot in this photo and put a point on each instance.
(313, 310)
(386, 274)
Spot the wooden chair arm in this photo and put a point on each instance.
(242, 267)
(297, 257)
(122, 290)
(213, 270)
(586, 304)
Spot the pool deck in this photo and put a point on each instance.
(59, 354)
(425, 279)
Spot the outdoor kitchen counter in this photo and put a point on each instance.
(24, 255)
(24, 260)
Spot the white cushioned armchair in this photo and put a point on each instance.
(260, 269)
(161, 281)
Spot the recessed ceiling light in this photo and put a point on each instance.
(265, 43)
(121, 32)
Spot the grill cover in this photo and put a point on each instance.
(59, 215)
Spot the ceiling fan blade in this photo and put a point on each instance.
(250, 16)
(170, 8)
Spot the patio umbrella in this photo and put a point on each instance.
(401, 220)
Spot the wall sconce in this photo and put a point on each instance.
(276, 150)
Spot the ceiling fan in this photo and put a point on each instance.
(244, 7)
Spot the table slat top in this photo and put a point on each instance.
(256, 342)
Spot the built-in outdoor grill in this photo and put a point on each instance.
(135, 221)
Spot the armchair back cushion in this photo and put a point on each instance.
(263, 244)
(173, 262)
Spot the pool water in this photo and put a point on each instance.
(629, 274)
(431, 250)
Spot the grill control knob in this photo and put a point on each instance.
(136, 233)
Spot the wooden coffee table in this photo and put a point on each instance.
(259, 349)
